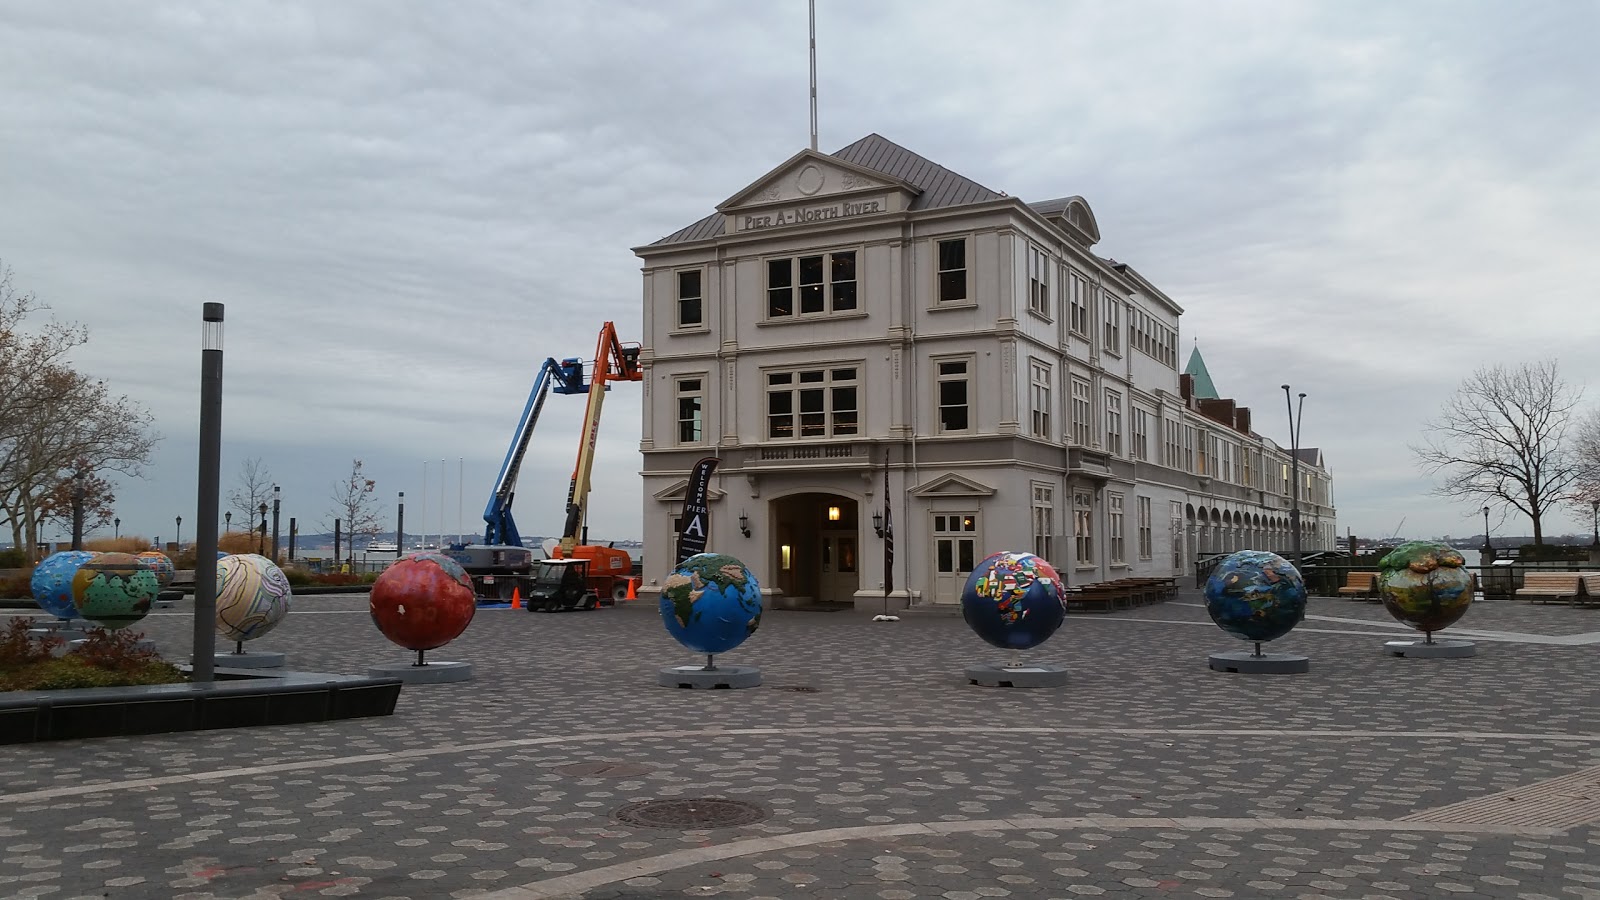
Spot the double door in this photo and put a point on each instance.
(955, 552)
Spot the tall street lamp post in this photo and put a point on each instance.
(1596, 505)
(227, 518)
(179, 532)
(261, 544)
(1294, 467)
(1487, 547)
(116, 525)
(274, 523)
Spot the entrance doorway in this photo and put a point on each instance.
(817, 547)
(955, 549)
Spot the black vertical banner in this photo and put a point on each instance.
(696, 528)
(888, 537)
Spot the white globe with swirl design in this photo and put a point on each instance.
(252, 596)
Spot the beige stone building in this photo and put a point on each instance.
(869, 315)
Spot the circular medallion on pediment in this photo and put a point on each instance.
(809, 181)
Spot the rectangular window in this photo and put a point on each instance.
(825, 283)
(1082, 413)
(1188, 448)
(1140, 448)
(825, 401)
(1078, 303)
(1044, 513)
(1174, 457)
(1227, 462)
(1041, 398)
(1113, 329)
(689, 311)
(691, 410)
(1114, 526)
(1113, 423)
(1203, 459)
(953, 271)
(1146, 533)
(1246, 473)
(1083, 527)
(1038, 281)
(1176, 524)
(952, 395)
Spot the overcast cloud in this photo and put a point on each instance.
(407, 206)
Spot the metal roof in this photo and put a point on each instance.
(939, 186)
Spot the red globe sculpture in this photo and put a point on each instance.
(423, 601)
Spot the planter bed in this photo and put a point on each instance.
(239, 698)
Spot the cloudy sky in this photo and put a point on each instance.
(406, 206)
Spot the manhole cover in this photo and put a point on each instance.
(608, 769)
(799, 688)
(700, 812)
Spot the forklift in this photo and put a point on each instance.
(562, 584)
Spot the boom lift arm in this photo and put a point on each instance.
(613, 361)
(566, 377)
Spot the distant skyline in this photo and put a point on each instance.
(407, 206)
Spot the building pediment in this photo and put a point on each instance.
(952, 485)
(812, 188)
(675, 492)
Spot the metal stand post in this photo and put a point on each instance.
(205, 574)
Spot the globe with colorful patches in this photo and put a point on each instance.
(161, 564)
(711, 603)
(253, 596)
(1014, 600)
(52, 582)
(1255, 595)
(114, 590)
(424, 600)
(1425, 585)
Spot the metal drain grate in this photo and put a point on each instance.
(691, 814)
(606, 769)
(799, 688)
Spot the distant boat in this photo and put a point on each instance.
(383, 547)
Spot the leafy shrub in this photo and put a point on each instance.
(1551, 552)
(17, 586)
(14, 559)
(18, 648)
(297, 576)
(341, 579)
(106, 659)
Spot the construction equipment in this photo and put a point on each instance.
(608, 569)
(562, 584)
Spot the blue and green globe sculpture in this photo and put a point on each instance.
(711, 603)
(114, 590)
(52, 582)
(1256, 596)
(1014, 601)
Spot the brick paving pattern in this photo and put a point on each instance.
(878, 771)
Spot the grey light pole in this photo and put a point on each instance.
(1294, 467)
(179, 533)
(261, 543)
(1488, 547)
(228, 517)
(205, 548)
(400, 528)
(274, 523)
(116, 525)
(1596, 505)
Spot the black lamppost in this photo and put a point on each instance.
(400, 528)
(274, 523)
(116, 525)
(1486, 545)
(261, 544)
(227, 518)
(1294, 466)
(1596, 505)
(179, 532)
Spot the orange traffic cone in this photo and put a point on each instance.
(516, 597)
(631, 594)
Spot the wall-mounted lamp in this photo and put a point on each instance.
(744, 524)
(877, 523)
(833, 514)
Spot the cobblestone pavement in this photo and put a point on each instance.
(872, 768)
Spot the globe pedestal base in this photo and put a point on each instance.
(167, 599)
(141, 644)
(1245, 662)
(66, 631)
(250, 659)
(1016, 676)
(1435, 650)
(430, 673)
(701, 677)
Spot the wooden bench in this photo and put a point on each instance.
(1547, 586)
(1360, 586)
(1591, 589)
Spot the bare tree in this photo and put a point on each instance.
(254, 488)
(1500, 439)
(356, 502)
(1586, 459)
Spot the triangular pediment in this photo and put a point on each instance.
(675, 491)
(808, 176)
(952, 485)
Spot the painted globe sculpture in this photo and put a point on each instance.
(1256, 596)
(253, 596)
(1014, 600)
(161, 564)
(711, 602)
(52, 582)
(1425, 585)
(423, 601)
(114, 590)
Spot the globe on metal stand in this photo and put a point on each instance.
(114, 590)
(1014, 601)
(421, 602)
(253, 596)
(1426, 585)
(1256, 596)
(51, 585)
(710, 604)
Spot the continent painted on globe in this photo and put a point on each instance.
(1013, 600)
(1255, 596)
(1425, 585)
(114, 590)
(711, 603)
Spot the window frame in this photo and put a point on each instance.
(1112, 319)
(830, 388)
(1083, 529)
(679, 395)
(1040, 378)
(939, 273)
(699, 299)
(967, 363)
(1113, 420)
(1044, 508)
(1082, 412)
(1037, 274)
(1117, 548)
(796, 289)
(1146, 527)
